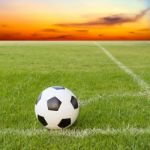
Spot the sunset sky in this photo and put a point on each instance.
(74, 19)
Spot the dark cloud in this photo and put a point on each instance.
(131, 32)
(50, 30)
(144, 29)
(100, 35)
(34, 34)
(5, 36)
(109, 20)
(10, 36)
(82, 30)
(4, 25)
(62, 36)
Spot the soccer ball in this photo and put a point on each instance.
(56, 108)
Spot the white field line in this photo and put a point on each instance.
(105, 96)
(75, 133)
(144, 86)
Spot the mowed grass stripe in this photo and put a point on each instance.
(144, 86)
(76, 133)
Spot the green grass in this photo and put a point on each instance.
(26, 68)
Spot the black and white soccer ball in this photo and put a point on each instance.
(56, 108)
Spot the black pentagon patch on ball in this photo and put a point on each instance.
(64, 123)
(58, 87)
(39, 97)
(53, 104)
(42, 120)
(74, 102)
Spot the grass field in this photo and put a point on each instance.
(111, 80)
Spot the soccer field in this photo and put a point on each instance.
(110, 79)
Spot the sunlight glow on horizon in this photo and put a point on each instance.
(74, 20)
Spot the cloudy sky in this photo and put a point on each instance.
(74, 19)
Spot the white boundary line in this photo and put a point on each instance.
(144, 86)
(85, 132)
(75, 133)
(105, 96)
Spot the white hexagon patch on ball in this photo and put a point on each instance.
(56, 108)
